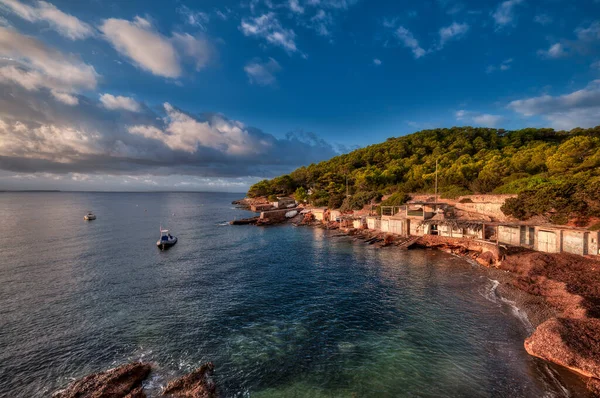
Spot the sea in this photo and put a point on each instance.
(281, 311)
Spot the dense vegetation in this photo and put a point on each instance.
(555, 173)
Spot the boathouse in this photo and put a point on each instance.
(284, 203)
(319, 213)
(335, 215)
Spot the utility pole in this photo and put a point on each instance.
(346, 185)
(436, 180)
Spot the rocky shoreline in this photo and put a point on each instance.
(560, 294)
(563, 289)
(127, 381)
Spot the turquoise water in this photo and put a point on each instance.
(281, 311)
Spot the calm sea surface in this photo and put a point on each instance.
(281, 311)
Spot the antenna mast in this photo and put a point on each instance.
(436, 181)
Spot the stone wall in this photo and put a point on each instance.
(274, 215)
(469, 244)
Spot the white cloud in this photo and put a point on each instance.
(504, 14)
(377, 61)
(40, 134)
(143, 45)
(595, 65)
(46, 141)
(295, 6)
(556, 50)
(65, 98)
(65, 24)
(262, 73)
(478, 119)
(591, 33)
(149, 50)
(580, 108)
(32, 65)
(453, 32)
(321, 22)
(112, 102)
(587, 38)
(185, 133)
(543, 19)
(504, 65)
(268, 27)
(198, 19)
(409, 41)
(197, 49)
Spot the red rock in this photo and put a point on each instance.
(197, 384)
(486, 259)
(121, 382)
(572, 343)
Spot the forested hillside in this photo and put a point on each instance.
(555, 173)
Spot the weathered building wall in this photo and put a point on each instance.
(319, 214)
(274, 215)
(593, 245)
(385, 225)
(261, 207)
(547, 240)
(575, 242)
(373, 223)
(486, 209)
(399, 226)
(509, 235)
(415, 230)
(448, 231)
(333, 214)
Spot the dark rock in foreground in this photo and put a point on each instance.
(198, 384)
(125, 381)
(121, 382)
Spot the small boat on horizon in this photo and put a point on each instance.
(166, 239)
(89, 216)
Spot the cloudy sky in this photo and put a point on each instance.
(217, 94)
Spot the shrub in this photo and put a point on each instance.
(454, 191)
(397, 199)
(359, 200)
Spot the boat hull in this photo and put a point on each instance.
(164, 245)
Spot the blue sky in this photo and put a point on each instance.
(135, 95)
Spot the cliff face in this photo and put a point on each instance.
(571, 284)
(572, 343)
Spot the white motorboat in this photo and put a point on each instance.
(292, 213)
(166, 239)
(90, 216)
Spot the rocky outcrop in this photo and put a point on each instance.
(487, 254)
(572, 343)
(122, 382)
(198, 384)
(126, 382)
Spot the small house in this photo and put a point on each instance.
(284, 202)
(359, 223)
(319, 213)
(374, 222)
(334, 215)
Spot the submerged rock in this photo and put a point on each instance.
(198, 384)
(572, 343)
(121, 382)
